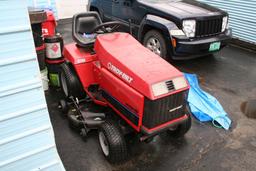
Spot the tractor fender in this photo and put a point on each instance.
(156, 22)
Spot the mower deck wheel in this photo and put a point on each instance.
(112, 142)
(63, 105)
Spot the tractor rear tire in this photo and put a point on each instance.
(70, 83)
(181, 129)
(112, 142)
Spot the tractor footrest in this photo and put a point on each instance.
(90, 123)
(93, 120)
(90, 115)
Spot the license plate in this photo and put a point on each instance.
(214, 46)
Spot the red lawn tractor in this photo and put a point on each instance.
(143, 93)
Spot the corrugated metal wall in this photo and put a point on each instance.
(44, 4)
(242, 17)
(26, 135)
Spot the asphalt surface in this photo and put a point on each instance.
(230, 76)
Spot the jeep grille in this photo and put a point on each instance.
(208, 27)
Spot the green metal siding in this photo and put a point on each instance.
(242, 15)
(26, 136)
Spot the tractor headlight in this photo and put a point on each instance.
(224, 23)
(189, 27)
(179, 83)
(159, 89)
(166, 86)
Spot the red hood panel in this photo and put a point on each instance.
(133, 63)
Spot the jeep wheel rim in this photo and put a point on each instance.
(153, 44)
(103, 143)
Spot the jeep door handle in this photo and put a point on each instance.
(115, 1)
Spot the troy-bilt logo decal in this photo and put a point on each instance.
(120, 73)
(176, 108)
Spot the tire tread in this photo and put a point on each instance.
(117, 146)
(159, 36)
(74, 85)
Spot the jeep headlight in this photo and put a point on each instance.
(224, 23)
(189, 27)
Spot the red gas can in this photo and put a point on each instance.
(48, 27)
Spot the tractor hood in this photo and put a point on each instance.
(125, 57)
(182, 8)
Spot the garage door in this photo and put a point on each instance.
(242, 17)
(67, 8)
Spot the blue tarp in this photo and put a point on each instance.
(204, 106)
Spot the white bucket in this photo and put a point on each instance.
(45, 79)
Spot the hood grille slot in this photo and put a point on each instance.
(157, 112)
(170, 85)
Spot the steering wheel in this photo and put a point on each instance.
(108, 27)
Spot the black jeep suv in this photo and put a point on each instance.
(181, 29)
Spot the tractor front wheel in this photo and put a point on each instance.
(181, 129)
(112, 142)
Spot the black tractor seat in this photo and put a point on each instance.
(83, 26)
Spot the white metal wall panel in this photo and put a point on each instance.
(242, 17)
(26, 135)
(67, 8)
(44, 4)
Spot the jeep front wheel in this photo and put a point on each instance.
(154, 41)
